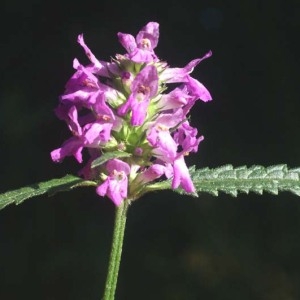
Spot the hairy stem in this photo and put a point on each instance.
(116, 251)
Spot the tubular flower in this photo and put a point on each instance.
(116, 182)
(133, 131)
(141, 48)
(143, 88)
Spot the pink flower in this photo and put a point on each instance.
(125, 113)
(197, 89)
(101, 68)
(116, 184)
(141, 48)
(194, 87)
(153, 172)
(172, 75)
(85, 88)
(186, 136)
(175, 99)
(92, 135)
(160, 138)
(181, 176)
(143, 87)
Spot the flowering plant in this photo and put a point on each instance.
(125, 109)
(136, 131)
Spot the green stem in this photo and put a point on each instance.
(116, 251)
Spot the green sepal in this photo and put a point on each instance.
(107, 156)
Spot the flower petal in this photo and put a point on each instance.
(127, 41)
(197, 89)
(150, 32)
(72, 146)
(181, 176)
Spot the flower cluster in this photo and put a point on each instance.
(123, 112)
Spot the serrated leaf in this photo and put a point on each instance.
(51, 187)
(255, 179)
(107, 156)
(225, 179)
(229, 180)
(296, 191)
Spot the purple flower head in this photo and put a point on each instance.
(143, 87)
(141, 48)
(125, 110)
(116, 184)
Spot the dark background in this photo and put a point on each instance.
(176, 247)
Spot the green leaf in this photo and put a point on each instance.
(257, 179)
(230, 180)
(225, 179)
(51, 187)
(107, 156)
